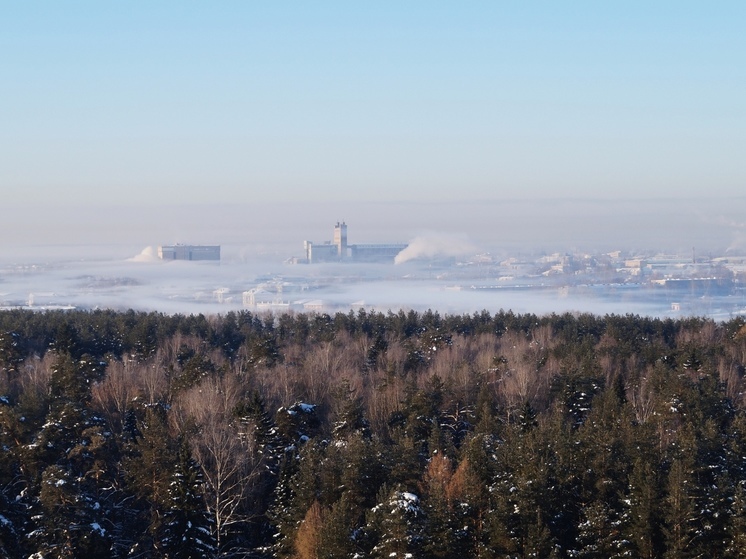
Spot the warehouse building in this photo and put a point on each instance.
(189, 252)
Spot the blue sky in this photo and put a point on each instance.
(151, 102)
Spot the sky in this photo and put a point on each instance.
(163, 102)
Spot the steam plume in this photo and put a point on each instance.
(148, 254)
(436, 245)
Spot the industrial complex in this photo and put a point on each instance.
(337, 250)
(189, 252)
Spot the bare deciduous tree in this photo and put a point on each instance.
(227, 455)
(641, 396)
(115, 392)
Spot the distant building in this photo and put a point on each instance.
(189, 252)
(325, 252)
(222, 295)
(375, 252)
(635, 263)
(340, 239)
(338, 250)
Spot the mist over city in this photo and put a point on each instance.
(596, 256)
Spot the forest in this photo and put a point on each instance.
(371, 435)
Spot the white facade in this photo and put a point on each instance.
(189, 252)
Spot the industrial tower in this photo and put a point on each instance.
(340, 239)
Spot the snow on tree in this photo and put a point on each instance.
(186, 532)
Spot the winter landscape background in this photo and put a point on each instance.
(107, 258)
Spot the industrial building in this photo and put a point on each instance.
(375, 252)
(189, 252)
(337, 250)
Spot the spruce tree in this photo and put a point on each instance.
(395, 525)
(339, 534)
(736, 548)
(78, 480)
(186, 532)
(441, 532)
(644, 527)
(148, 462)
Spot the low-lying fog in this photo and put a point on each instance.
(202, 287)
(105, 257)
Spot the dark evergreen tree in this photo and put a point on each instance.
(350, 415)
(601, 533)
(70, 521)
(602, 476)
(442, 533)
(736, 543)
(260, 427)
(736, 511)
(12, 354)
(73, 460)
(147, 463)
(186, 531)
(644, 498)
(395, 525)
(527, 417)
(297, 490)
(469, 495)
(14, 523)
(297, 423)
(516, 522)
(339, 532)
(680, 510)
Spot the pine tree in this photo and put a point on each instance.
(644, 527)
(13, 525)
(526, 496)
(186, 532)
(600, 533)
(527, 417)
(469, 497)
(350, 416)
(736, 548)
(297, 488)
(395, 525)
(602, 472)
(259, 426)
(441, 532)
(363, 472)
(339, 532)
(680, 512)
(736, 513)
(76, 455)
(71, 520)
(148, 463)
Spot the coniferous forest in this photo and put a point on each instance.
(368, 434)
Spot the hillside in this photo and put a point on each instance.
(371, 435)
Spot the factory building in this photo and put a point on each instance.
(326, 252)
(375, 252)
(337, 250)
(189, 252)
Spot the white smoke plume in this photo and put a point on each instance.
(436, 245)
(148, 254)
(738, 245)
